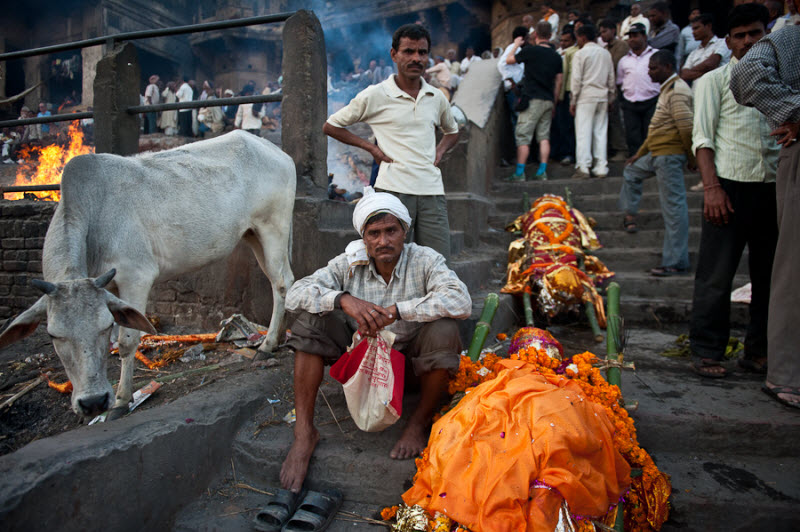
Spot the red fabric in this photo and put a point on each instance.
(348, 364)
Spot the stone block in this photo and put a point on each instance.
(13, 243)
(35, 266)
(165, 295)
(5, 290)
(163, 310)
(33, 229)
(36, 242)
(6, 279)
(33, 254)
(14, 266)
(12, 254)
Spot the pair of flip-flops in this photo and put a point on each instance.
(307, 511)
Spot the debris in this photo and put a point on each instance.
(193, 353)
(30, 386)
(139, 397)
(237, 327)
(743, 294)
(246, 352)
(268, 363)
(290, 416)
(273, 401)
(235, 358)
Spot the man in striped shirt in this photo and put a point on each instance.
(664, 152)
(738, 161)
(768, 78)
(378, 282)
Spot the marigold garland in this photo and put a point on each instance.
(646, 504)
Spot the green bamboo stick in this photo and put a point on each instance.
(528, 306)
(612, 332)
(612, 373)
(483, 326)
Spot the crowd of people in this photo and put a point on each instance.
(207, 121)
(664, 98)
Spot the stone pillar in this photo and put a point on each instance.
(116, 87)
(2, 69)
(33, 67)
(90, 57)
(304, 108)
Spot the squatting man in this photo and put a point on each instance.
(378, 282)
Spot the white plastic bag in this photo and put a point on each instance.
(372, 374)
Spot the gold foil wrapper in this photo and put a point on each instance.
(411, 519)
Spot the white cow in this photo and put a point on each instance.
(135, 221)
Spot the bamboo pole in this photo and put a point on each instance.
(483, 326)
(612, 332)
(528, 306)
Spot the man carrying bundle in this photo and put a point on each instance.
(378, 282)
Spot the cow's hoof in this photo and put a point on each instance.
(116, 413)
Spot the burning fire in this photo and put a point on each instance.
(43, 166)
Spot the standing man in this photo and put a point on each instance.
(686, 42)
(185, 94)
(663, 154)
(768, 78)
(711, 51)
(636, 17)
(512, 73)
(663, 33)
(152, 96)
(617, 48)
(541, 85)
(404, 112)
(378, 282)
(593, 88)
(550, 16)
(43, 128)
(639, 93)
(737, 160)
(563, 123)
(469, 58)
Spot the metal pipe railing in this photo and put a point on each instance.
(146, 34)
(28, 188)
(194, 104)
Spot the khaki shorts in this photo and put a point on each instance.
(436, 346)
(537, 117)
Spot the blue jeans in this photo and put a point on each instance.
(668, 169)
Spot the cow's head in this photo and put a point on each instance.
(80, 314)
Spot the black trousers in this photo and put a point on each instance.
(754, 223)
(563, 131)
(185, 123)
(636, 116)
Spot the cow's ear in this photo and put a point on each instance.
(24, 324)
(127, 316)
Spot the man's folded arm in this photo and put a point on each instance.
(447, 297)
(317, 292)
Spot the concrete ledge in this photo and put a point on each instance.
(132, 474)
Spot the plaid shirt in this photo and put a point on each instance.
(422, 286)
(768, 76)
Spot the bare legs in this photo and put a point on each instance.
(308, 370)
(415, 436)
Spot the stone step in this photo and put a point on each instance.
(642, 284)
(478, 269)
(649, 238)
(658, 311)
(578, 187)
(731, 492)
(624, 259)
(353, 461)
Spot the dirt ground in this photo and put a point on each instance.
(44, 412)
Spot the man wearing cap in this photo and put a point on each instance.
(639, 92)
(378, 282)
(152, 96)
(404, 112)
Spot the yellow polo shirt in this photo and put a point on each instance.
(405, 129)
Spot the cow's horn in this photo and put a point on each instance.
(44, 286)
(104, 279)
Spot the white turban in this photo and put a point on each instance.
(372, 203)
(376, 202)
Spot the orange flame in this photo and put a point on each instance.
(43, 166)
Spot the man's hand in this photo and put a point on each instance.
(378, 155)
(786, 133)
(716, 206)
(692, 167)
(631, 160)
(519, 40)
(371, 318)
(572, 108)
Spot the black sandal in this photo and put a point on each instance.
(702, 366)
(629, 224)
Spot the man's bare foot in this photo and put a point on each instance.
(411, 443)
(295, 466)
(785, 394)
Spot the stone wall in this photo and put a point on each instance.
(23, 225)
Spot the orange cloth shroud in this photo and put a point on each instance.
(520, 429)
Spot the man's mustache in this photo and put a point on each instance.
(418, 65)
